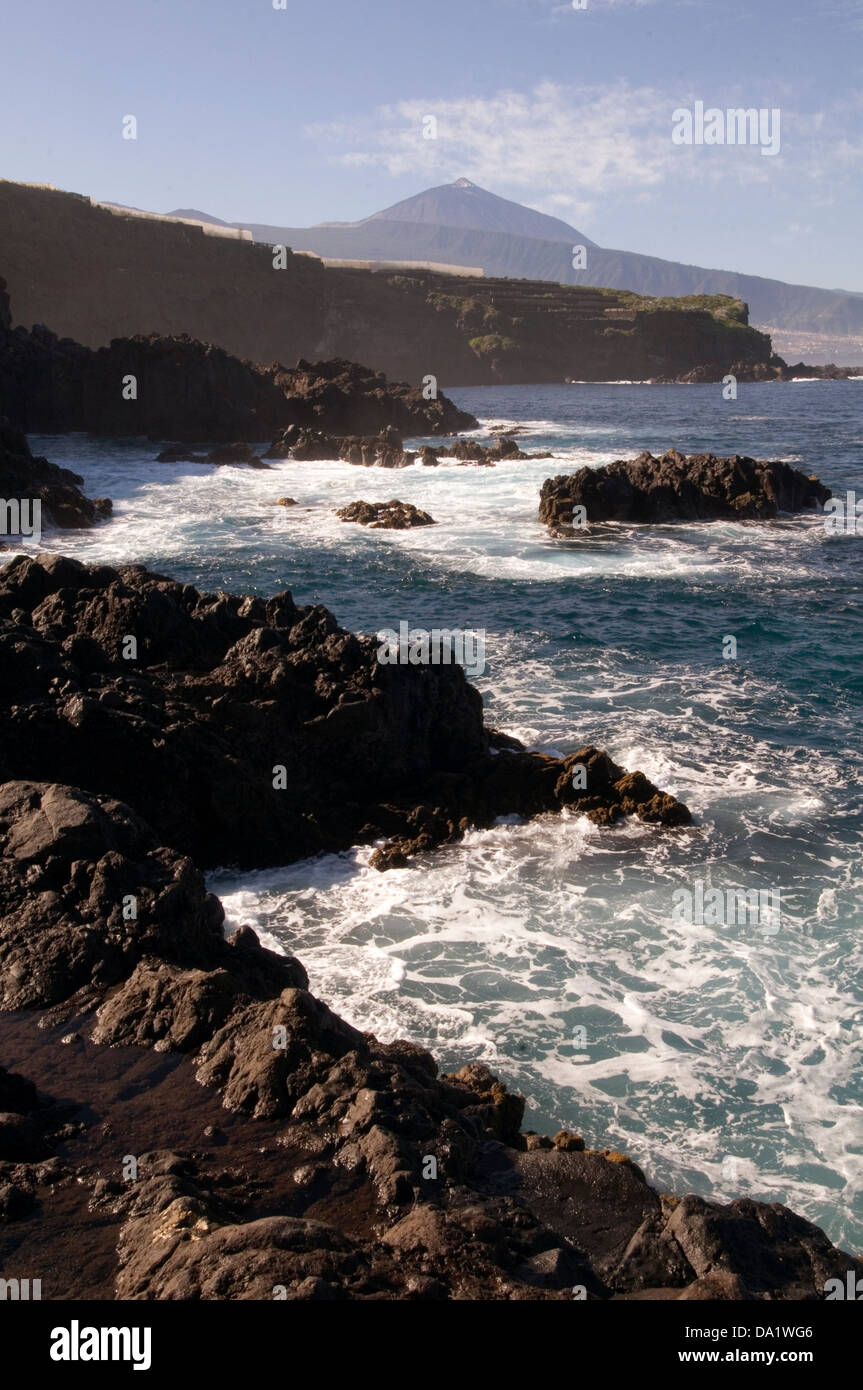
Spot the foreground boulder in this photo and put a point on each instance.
(390, 516)
(340, 1168)
(254, 732)
(24, 479)
(678, 487)
(86, 893)
(191, 391)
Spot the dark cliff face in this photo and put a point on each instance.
(119, 276)
(179, 388)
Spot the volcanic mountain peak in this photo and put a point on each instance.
(464, 204)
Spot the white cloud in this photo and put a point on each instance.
(552, 141)
(561, 148)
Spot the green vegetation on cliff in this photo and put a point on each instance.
(170, 278)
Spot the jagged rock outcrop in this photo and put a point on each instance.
(351, 1168)
(472, 451)
(828, 372)
(115, 895)
(386, 450)
(180, 388)
(253, 732)
(678, 487)
(25, 479)
(388, 516)
(383, 450)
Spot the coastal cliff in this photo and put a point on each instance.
(94, 274)
(182, 389)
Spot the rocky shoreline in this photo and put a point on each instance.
(220, 1133)
(26, 479)
(341, 1167)
(193, 707)
(181, 389)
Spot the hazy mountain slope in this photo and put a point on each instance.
(465, 204)
(195, 215)
(462, 224)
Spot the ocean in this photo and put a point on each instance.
(724, 1057)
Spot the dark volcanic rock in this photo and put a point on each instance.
(31, 1125)
(25, 478)
(828, 372)
(346, 398)
(253, 732)
(472, 451)
(235, 453)
(86, 893)
(354, 1170)
(676, 487)
(176, 453)
(191, 391)
(390, 516)
(223, 453)
(384, 450)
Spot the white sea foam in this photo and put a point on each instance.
(704, 1044)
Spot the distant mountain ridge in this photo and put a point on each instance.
(465, 204)
(463, 224)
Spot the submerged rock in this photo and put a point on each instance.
(391, 516)
(383, 450)
(223, 453)
(677, 487)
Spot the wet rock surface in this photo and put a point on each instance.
(314, 1162)
(678, 487)
(383, 450)
(387, 450)
(255, 732)
(25, 479)
(390, 516)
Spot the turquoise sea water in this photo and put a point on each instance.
(724, 1059)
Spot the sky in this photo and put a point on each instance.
(318, 112)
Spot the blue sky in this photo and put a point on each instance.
(314, 113)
